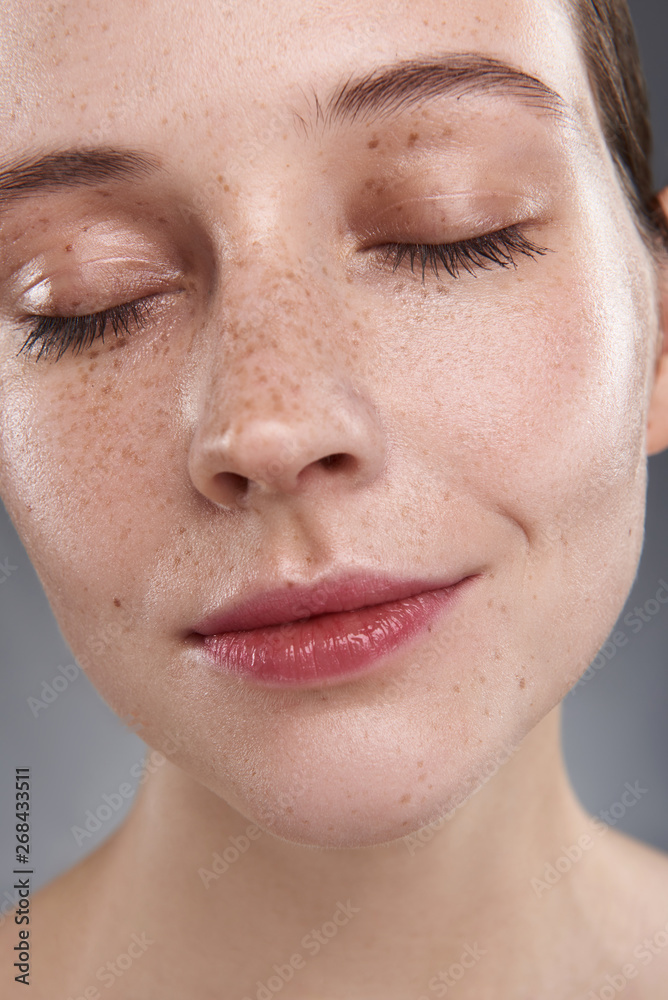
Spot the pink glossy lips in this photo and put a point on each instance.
(306, 636)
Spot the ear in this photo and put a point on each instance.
(657, 418)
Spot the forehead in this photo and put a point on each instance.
(128, 72)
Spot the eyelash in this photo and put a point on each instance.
(479, 252)
(60, 333)
(57, 334)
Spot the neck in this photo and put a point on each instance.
(229, 904)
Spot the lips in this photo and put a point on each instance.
(322, 634)
(291, 604)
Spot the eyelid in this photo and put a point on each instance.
(467, 215)
(92, 285)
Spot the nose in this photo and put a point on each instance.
(280, 417)
(270, 454)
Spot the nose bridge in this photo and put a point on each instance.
(279, 405)
(275, 343)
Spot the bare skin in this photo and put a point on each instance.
(495, 424)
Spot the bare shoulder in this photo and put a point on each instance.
(641, 900)
(56, 913)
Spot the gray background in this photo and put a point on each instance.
(614, 724)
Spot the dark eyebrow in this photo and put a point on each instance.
(71, 168)
(388, 89)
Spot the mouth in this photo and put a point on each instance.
(323, 634)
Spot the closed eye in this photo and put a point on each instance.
(58, 334)
(498, 248)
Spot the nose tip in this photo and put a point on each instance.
(265, 457)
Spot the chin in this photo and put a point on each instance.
(369, 798)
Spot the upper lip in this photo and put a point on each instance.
(288, 603)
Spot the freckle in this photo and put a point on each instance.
(504, 608)
(117, 603)
(420, 763)
(405, 798)
(482, 678)
(490, 602)
(497, 654)
(456, 688)
(486, 711)
(430, 786)
(523, 683)
(373, 143)
(423, 776)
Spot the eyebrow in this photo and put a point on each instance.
(389, 89)
(71, 168)
(380, 93)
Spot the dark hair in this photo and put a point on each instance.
(610, 50)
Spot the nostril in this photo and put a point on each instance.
(334, 461)
(231, 482)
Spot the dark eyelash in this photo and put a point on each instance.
(60, 333)
(480, 252)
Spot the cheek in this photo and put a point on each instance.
(92, 480)
(532, 398)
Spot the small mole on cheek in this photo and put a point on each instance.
(412, 139)
(523, 683)
(373, 143)
(117, 603)
(405, 798)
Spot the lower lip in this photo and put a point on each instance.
(330, 647)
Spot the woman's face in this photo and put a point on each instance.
(492, 424)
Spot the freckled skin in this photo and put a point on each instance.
(494, 424)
